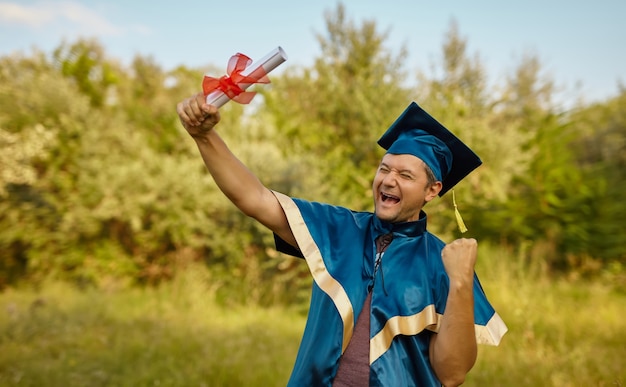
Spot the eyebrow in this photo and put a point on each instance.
(399, 170)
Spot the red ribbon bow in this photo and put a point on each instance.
(229, 84)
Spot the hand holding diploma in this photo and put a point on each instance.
(241, 74)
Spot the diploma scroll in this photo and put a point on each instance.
(257, 70)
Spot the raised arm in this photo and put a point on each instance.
(233, 178)
(453, 349)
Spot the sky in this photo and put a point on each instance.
(580, 44)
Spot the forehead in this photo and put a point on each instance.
(402, 162)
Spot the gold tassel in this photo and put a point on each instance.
(459, 220)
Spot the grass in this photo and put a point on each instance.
(561, 333)
(171, 336)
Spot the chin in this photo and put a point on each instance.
(385, 217)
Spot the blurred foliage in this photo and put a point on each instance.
(100, 184)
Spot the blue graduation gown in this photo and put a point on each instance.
(409, 294)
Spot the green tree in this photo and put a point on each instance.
(600, 150)
(457, 96)
(333, 114)
(39, 110)
(85, 63)
(549, 196)
(518, 116)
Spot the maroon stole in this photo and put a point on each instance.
(354, 364)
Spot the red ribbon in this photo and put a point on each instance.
(229, 84)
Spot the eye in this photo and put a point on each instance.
(383, 169)
(406, 176)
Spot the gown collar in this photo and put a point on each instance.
(406, 229)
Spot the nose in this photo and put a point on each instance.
(389, 180)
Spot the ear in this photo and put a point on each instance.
(433, 191)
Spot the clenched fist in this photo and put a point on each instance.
(459, 259)
(197, 116)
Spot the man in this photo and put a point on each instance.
(391, 305)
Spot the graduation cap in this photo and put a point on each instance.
(417, 133)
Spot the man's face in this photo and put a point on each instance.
(401, 188)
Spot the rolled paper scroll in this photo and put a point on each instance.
(241, 75)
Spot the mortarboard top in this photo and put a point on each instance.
(415, 132)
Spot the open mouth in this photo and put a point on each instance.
(389, 199)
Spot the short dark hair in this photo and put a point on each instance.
(430, 175)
